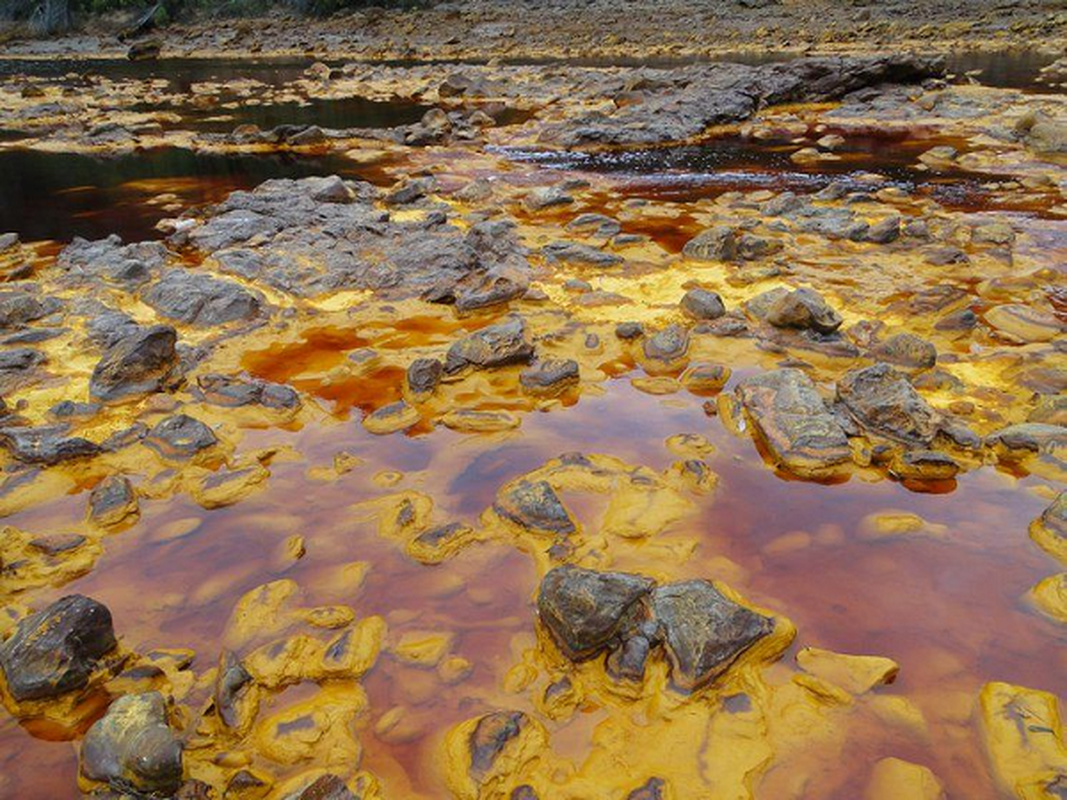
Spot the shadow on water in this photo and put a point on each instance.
(63, 195)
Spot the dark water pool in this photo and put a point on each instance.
(63, 195)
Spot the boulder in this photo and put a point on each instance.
(701, 304)
(793, 420)
(703, 630)
(883, 402)
(133, 748)
(585, 610)
(143, 360)
(56, 650)
(200, 300)
(804, 309)
(112, 501)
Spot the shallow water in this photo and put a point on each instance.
(950, 607)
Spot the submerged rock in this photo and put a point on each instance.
(585, 610)
(494, 346)
(490, 736)
(112, 501)
(327, 787)
(143, 361)
(132, 747)
(793, 420)
(56, 650)
(535, 506)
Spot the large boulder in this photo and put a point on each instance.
(133, 748)
(142, 361)
(56, 650)
(793, 420)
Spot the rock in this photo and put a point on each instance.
(57, 543)
(805, 309)
(56, 650)
(906, 350)
(893, 778)
(579, 255)
(391, 418)
(111, 261)
(704, 631)
(1042, 133)
(881, 401)
(232, 391)
(793, 421)
(926, 465)
(547, 197)
(1027, 437)
(628, 331)
(46, 444)
(884, 231)
(423, 376)
(200, 300)
(549, 377)
(141, 362)
(705, 378)
(1049, 409)
(18, 308)
(653, 788)
(180, 437)
(489, 738)
(144, 51)
(855, 674)
(1024, 323)
(133, 747)
(700, 304)
(231, 681)
(666, 349)
(535, 506)
(585, 610)
(595, 224)
(715, 244)
(327, 787)
(112, 501)
(494, 346)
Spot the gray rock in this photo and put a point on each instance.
(884, 231)
(46, 444)
(231, 681)
(56, 650)
(715, 244)
(535, 506)
(327, 787)
(653, 788)
(550, 376)
(133, 748)
(906, 350)
(700, 304)
(111, 261)
(586, 611)
(547, 197)
(489, 737)
(20, 307)
(804, 309)
(423, 376)
(793, 420)
(1028, 437)
(234, 391)
(581, 255)
(112, 500)
(704, 631)
(668, 345)
(180, 437)
(143, 360)
(628, 331)
(494, 346)
(883, 402)
(200, 300)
